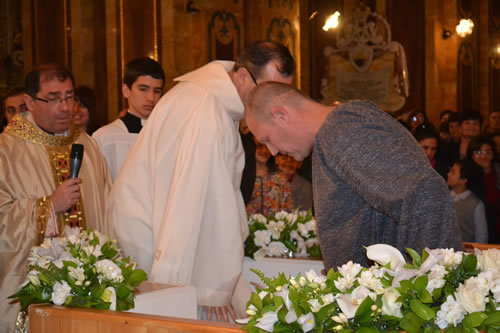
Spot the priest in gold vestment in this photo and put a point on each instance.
(36, 197)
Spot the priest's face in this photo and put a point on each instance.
(52, 107)
(143, 95)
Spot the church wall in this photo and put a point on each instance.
(96, 38)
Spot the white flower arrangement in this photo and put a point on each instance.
(282, 235)
(440, 290)
(82, 269)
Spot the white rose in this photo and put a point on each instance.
(77, 273)
(471, 296)
(282, 215)
(262, 237)
(276, 249)
(281, 226)
(450, 312)
(273, 227)
(260, 218)
(490, 260)
(451, 258)
(368, 280)
(311, 225)
(109, 270)
(304, 232)
(389, 305)
(60, 292)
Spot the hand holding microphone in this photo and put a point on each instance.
(68, 193)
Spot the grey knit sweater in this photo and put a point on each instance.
(372, 183)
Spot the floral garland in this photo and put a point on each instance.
(282, 235)
(440, 290)
(83, 269)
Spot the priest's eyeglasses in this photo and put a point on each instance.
(251, 75)
(56, 101)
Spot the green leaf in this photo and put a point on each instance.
(425, 296)
(493, 319)
(415, 256)
(363, 313)
(420, 283)
(122, 291)
(470, 262)
(256, 301)
(411, 323)
(421, 310)
(137, 276)
(474, 319)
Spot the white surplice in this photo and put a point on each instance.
(114, 141)
(176, 205)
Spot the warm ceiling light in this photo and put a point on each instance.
(332, 21)
(465, 27)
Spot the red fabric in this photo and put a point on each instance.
(492, 193)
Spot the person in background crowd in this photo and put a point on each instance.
(482, 151)
(85, 112)
(142, 86)
(470, 126)
(454, 128)
(416, 119)
(493, 122)
(176, 203)
(371, 181)
(37, 197)
(444, 134)
(428, 140)
(272, 191)
(495, 137)
(470, 211)
(301, 188)
(13, 103)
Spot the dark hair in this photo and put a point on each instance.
(87, 98)
(11, 93)
(470, 115)
(453, 118)
(142, 66)
(474, 174)
(46, 72)
(422, 133)
(444, 113)
(477, 142)
(258, 54)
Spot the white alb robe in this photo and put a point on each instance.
(176, 204)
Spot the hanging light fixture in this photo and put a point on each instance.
(332, 21)
(465, 27)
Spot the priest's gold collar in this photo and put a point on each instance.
(26, 130)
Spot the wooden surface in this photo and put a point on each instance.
(46, 318)
(469, 247)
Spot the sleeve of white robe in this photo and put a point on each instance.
(186, 169)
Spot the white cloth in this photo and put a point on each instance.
(114, 141)
(176, 204)
(479, 217)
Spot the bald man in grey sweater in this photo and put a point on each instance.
(372, 183)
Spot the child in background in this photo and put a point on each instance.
(464, 178)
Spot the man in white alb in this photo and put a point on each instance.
(176, 205)
(142, 87)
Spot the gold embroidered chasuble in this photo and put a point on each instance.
(32, 164)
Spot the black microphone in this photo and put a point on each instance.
(75, 160)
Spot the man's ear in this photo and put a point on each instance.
(280, 114)
(30, 104)
(125, 91)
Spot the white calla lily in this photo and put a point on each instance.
(384, 254)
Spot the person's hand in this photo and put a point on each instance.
(66, 195)
(222, 313)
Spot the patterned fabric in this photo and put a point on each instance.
(271, 194)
